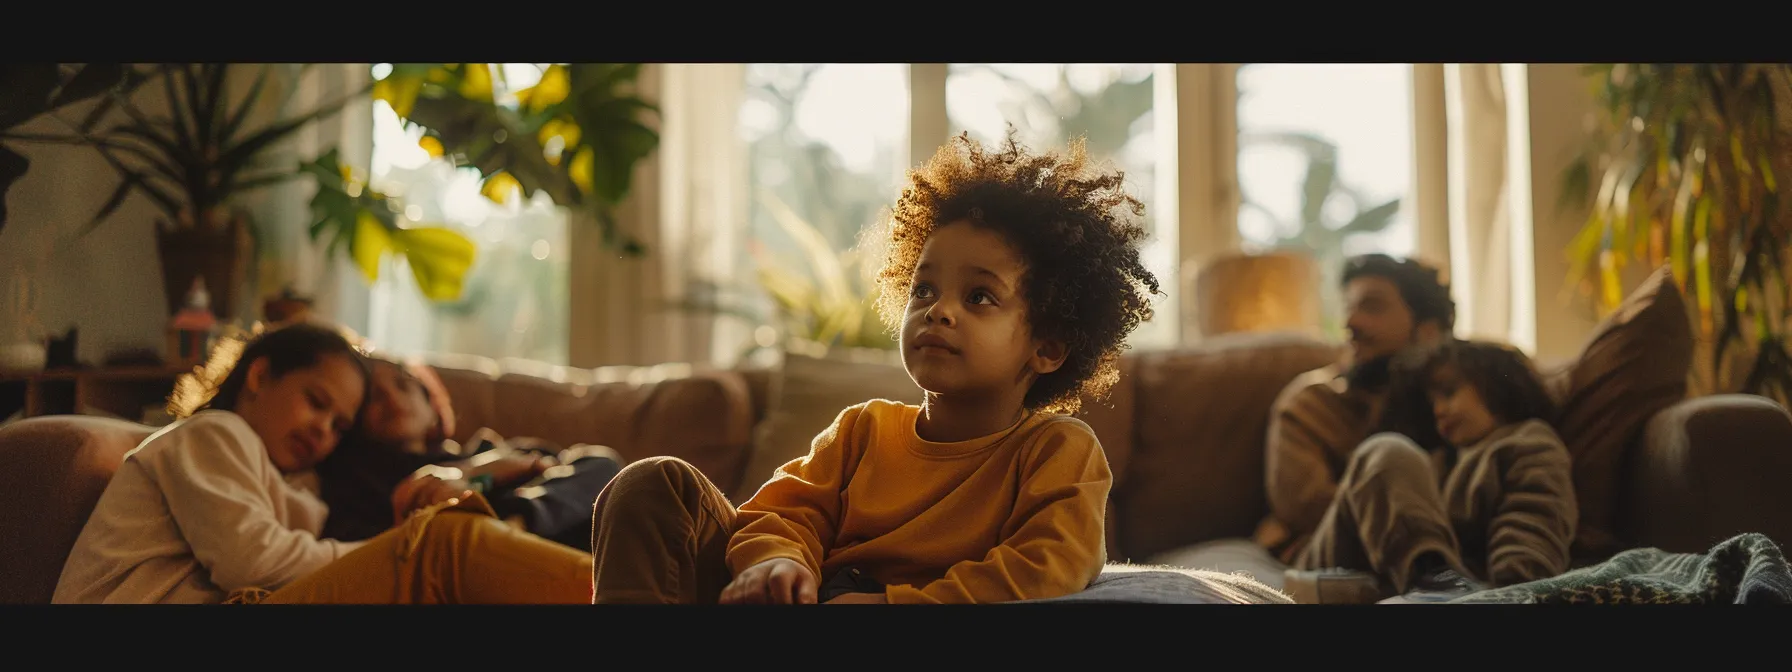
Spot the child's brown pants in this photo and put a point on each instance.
(659, 535)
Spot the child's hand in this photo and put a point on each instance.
(775, 581)
(859, 598)
(426, 489)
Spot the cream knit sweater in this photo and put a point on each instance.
(195, 512)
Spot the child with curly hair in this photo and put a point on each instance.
(1011, 280)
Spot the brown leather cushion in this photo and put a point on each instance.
(701, 416)
(56, 468)
(1112, 419)
(1634, 366)
(1202, 415)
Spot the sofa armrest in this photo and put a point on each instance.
(1707, 469)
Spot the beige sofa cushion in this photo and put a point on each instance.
(702, 416)
(1632, 367)
(807, 394)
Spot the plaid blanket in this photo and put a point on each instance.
(1745, 569)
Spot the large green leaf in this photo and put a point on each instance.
(371, 244)
(360, 222)
(1321, 180)
(439, 259)
(586, 107)
(1372, 220)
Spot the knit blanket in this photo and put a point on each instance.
(1745, 569)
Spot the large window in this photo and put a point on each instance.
(515, 299)
(1110, 106)
(1325, 163)
(829, 143)
(827, 149)
(1323, 166)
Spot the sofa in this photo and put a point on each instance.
(1183, 431)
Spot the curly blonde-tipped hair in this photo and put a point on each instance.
(1074, 226)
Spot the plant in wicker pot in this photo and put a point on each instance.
(193, 163)
(214, 147)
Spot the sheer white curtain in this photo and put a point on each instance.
(1480, 206)
(1472, 194)
(286, 255)
(687, 206)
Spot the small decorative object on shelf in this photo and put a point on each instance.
(190, 332)
(21, 342)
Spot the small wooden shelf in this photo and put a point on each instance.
(122, 391)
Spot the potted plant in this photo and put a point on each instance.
(362, 224)
(195, 163)
(1684, 168)
(575, 135)
(824, 296)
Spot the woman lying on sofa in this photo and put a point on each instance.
(206, 510)
(398, 459)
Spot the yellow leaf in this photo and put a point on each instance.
(476, 82)
(499, 187)
(549, 129)
(553, 88)
(583, 169)
(570, 132)
(563, 128)
(399, 92)
(432, 145)
(1701, 264)
(439, 259)
(371, 243)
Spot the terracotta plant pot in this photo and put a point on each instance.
(218, 253)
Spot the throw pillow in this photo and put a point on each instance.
(808, 395)
(1634, 366)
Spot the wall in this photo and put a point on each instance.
(108, 282)
(1560, 103)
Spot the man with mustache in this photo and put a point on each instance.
(1319, 419)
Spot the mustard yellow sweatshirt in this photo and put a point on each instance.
(1014, 515)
